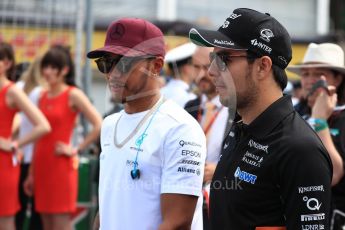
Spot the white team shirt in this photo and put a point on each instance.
(171, 160)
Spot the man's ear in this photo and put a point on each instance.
(264, 66)
(158, 65)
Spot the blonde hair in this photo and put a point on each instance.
(32, 77)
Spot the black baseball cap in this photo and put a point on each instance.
(247, 29)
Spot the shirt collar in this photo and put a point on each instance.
(214, 100)
(180, 83)
(271, 117)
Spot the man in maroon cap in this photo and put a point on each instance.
(153, 152)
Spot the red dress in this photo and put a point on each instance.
(55, 176)
(9, 173)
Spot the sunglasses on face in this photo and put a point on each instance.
(122, 63)
(222, 59)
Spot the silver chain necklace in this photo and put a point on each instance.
(137, 128)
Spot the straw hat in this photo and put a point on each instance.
(325, 55)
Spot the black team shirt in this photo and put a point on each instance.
(272, 172)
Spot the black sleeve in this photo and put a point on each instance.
(304, 178)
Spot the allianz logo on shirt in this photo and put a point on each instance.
(245, 176)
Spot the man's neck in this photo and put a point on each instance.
(251, 112)
(141, 104)
(185, 78)
(210, 96)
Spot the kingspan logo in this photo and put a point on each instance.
(256, 145)
(244, 176)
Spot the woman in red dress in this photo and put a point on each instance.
(13, 100)
(54, 174)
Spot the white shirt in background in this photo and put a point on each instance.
(177, 90)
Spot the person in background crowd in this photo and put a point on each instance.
(274, 171)
(32, 83)
(323, 106)
(153, 151)
(297, 93)
(178, 87)
(13, 100)
(211, 115)
(53, 175)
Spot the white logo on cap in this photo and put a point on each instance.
(282, 59)
(225, 24)
(261, 46)
(234, 16)
(222, 42)
(266, 34)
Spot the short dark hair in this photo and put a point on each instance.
(278, 73)
(178, 64)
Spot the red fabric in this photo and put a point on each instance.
(55, 176)
(9, 174)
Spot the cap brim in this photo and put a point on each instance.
(117, 50)
(212, 38)
(297, 68)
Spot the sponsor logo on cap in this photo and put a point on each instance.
(225, 24)
(261, 46)
(222, 42)
(283, 59)
(266, 35)
(118, 31)
(234, 16)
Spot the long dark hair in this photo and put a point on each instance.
(59, 57)
(6, 52)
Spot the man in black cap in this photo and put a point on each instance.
(274, 172)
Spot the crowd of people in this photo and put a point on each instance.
(218, 145)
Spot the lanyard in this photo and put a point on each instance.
(207, 128)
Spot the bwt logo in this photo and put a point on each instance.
(244, 176)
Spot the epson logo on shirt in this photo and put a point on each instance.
(190, 153)
(244, 176)
(252, 143)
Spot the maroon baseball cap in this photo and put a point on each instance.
(131, 37)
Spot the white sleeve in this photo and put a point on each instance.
(184, 160)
